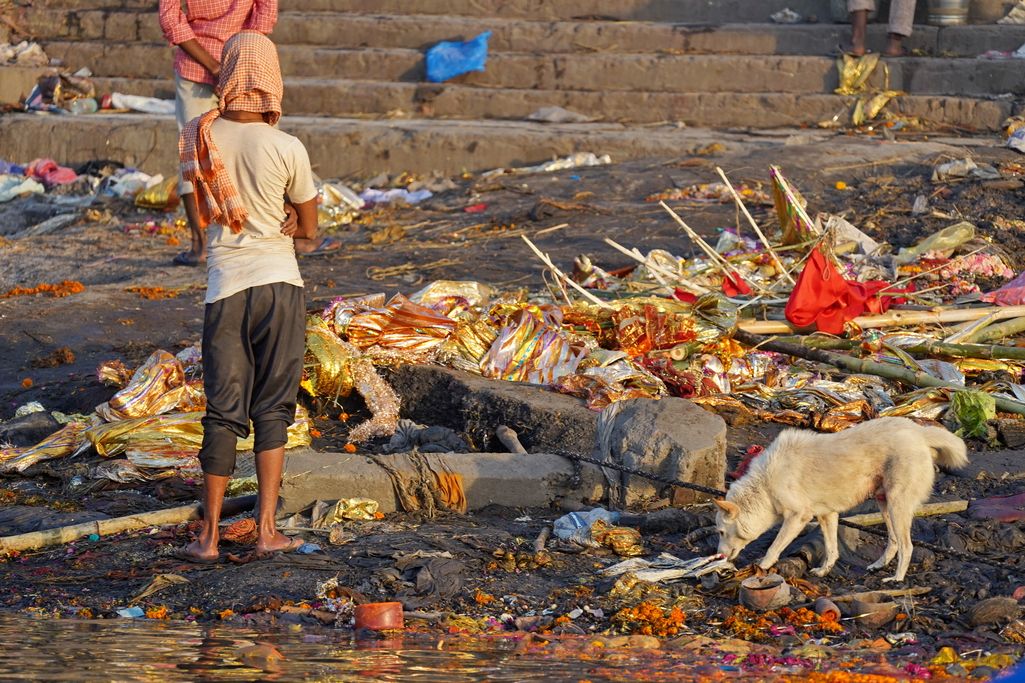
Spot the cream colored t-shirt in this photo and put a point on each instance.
(266, 166)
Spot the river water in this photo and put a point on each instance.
(146, 650)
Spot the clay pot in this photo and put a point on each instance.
(379, 616)
(824, 607)
(764, 593)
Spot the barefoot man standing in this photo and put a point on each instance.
(243, 169)
(902, 16)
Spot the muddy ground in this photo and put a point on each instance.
(398, 250)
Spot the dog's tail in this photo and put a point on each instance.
(949, 450)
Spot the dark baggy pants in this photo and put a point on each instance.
(253, 346)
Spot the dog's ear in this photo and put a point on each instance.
(731, 509)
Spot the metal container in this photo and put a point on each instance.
(948, 12)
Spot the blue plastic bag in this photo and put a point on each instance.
(449, 59)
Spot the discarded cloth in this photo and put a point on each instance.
(47, 171)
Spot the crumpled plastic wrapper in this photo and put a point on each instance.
(790, 208)
(972, 410)
(113, 373)
(325, 515)
(158, 386)
(160, 197)
(467, 346)
(623, 541)
(328, 359)
(180, 432)
(60, 444)
(400, 325)
(614, 381)
(125, 472)
(476, 294)
(529, 349)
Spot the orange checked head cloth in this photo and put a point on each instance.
(250, 81)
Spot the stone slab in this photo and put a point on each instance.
(506, 479)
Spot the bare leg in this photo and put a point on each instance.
(901, 517)
(894, 45)
(891, 543)
(792, 526)
(205, 547)
(828, 525)
(197, 251)
(859, 26)
(269, 465)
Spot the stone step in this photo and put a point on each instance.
(340, 30)
(344, 98)
(608, 72)
(690, 11)
(355, 147)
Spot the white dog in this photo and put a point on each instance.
(804, 475)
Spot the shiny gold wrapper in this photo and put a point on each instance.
(180, 431)
(466, 347)
(529, 350)
(475, 294)
(162, 197)
(855, 72)
(401, 324)
(624, 541)
(155, 388)
(327, 362)
(60, 444)
(113, 373)
(357, 509)
(599, 386)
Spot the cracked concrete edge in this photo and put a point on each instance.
(506, 479)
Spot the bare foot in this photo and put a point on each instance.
(200, 550)
(324, 245)
(189, 258)
(277, 543)
(895, 46)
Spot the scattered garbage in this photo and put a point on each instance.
(25, 53)
(448, 59)
(786, 16)
(148, 105)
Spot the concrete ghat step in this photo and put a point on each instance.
(337, 29)
(758, 110)
(632, 72)
(717, 11)
(343, 147)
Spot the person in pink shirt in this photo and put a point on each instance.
(199, 29)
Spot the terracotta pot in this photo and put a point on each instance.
(379, 616)
(763, 593)
(825, 607)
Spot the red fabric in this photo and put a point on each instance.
(684, 296)
(50, 173)
(733, 284)
(824, 299)
(1011, 294)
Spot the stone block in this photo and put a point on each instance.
(674, 439)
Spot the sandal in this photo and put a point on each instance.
(328, 245)
(187, 258)
(185, 555)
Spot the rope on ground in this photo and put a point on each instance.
(942, 550)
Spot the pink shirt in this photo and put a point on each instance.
(211, 23)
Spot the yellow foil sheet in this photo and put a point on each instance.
(61, 443)
(156, 387)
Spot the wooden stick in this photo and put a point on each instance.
(860, 365)
(558, 273)
(542, 539)
(896, 318)
(758, 231)
(888, 592)
(560, 226)
(108, 527)
(927, 510)
(693, 286)
(698, 240)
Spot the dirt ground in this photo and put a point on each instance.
(566, 213)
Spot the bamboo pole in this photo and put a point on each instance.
(758, 231)
(868, 367)
(1001, 330)
(108, 527)
(925, 348)
(927, 510)
(898, 318)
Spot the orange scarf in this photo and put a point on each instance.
(250, 81)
